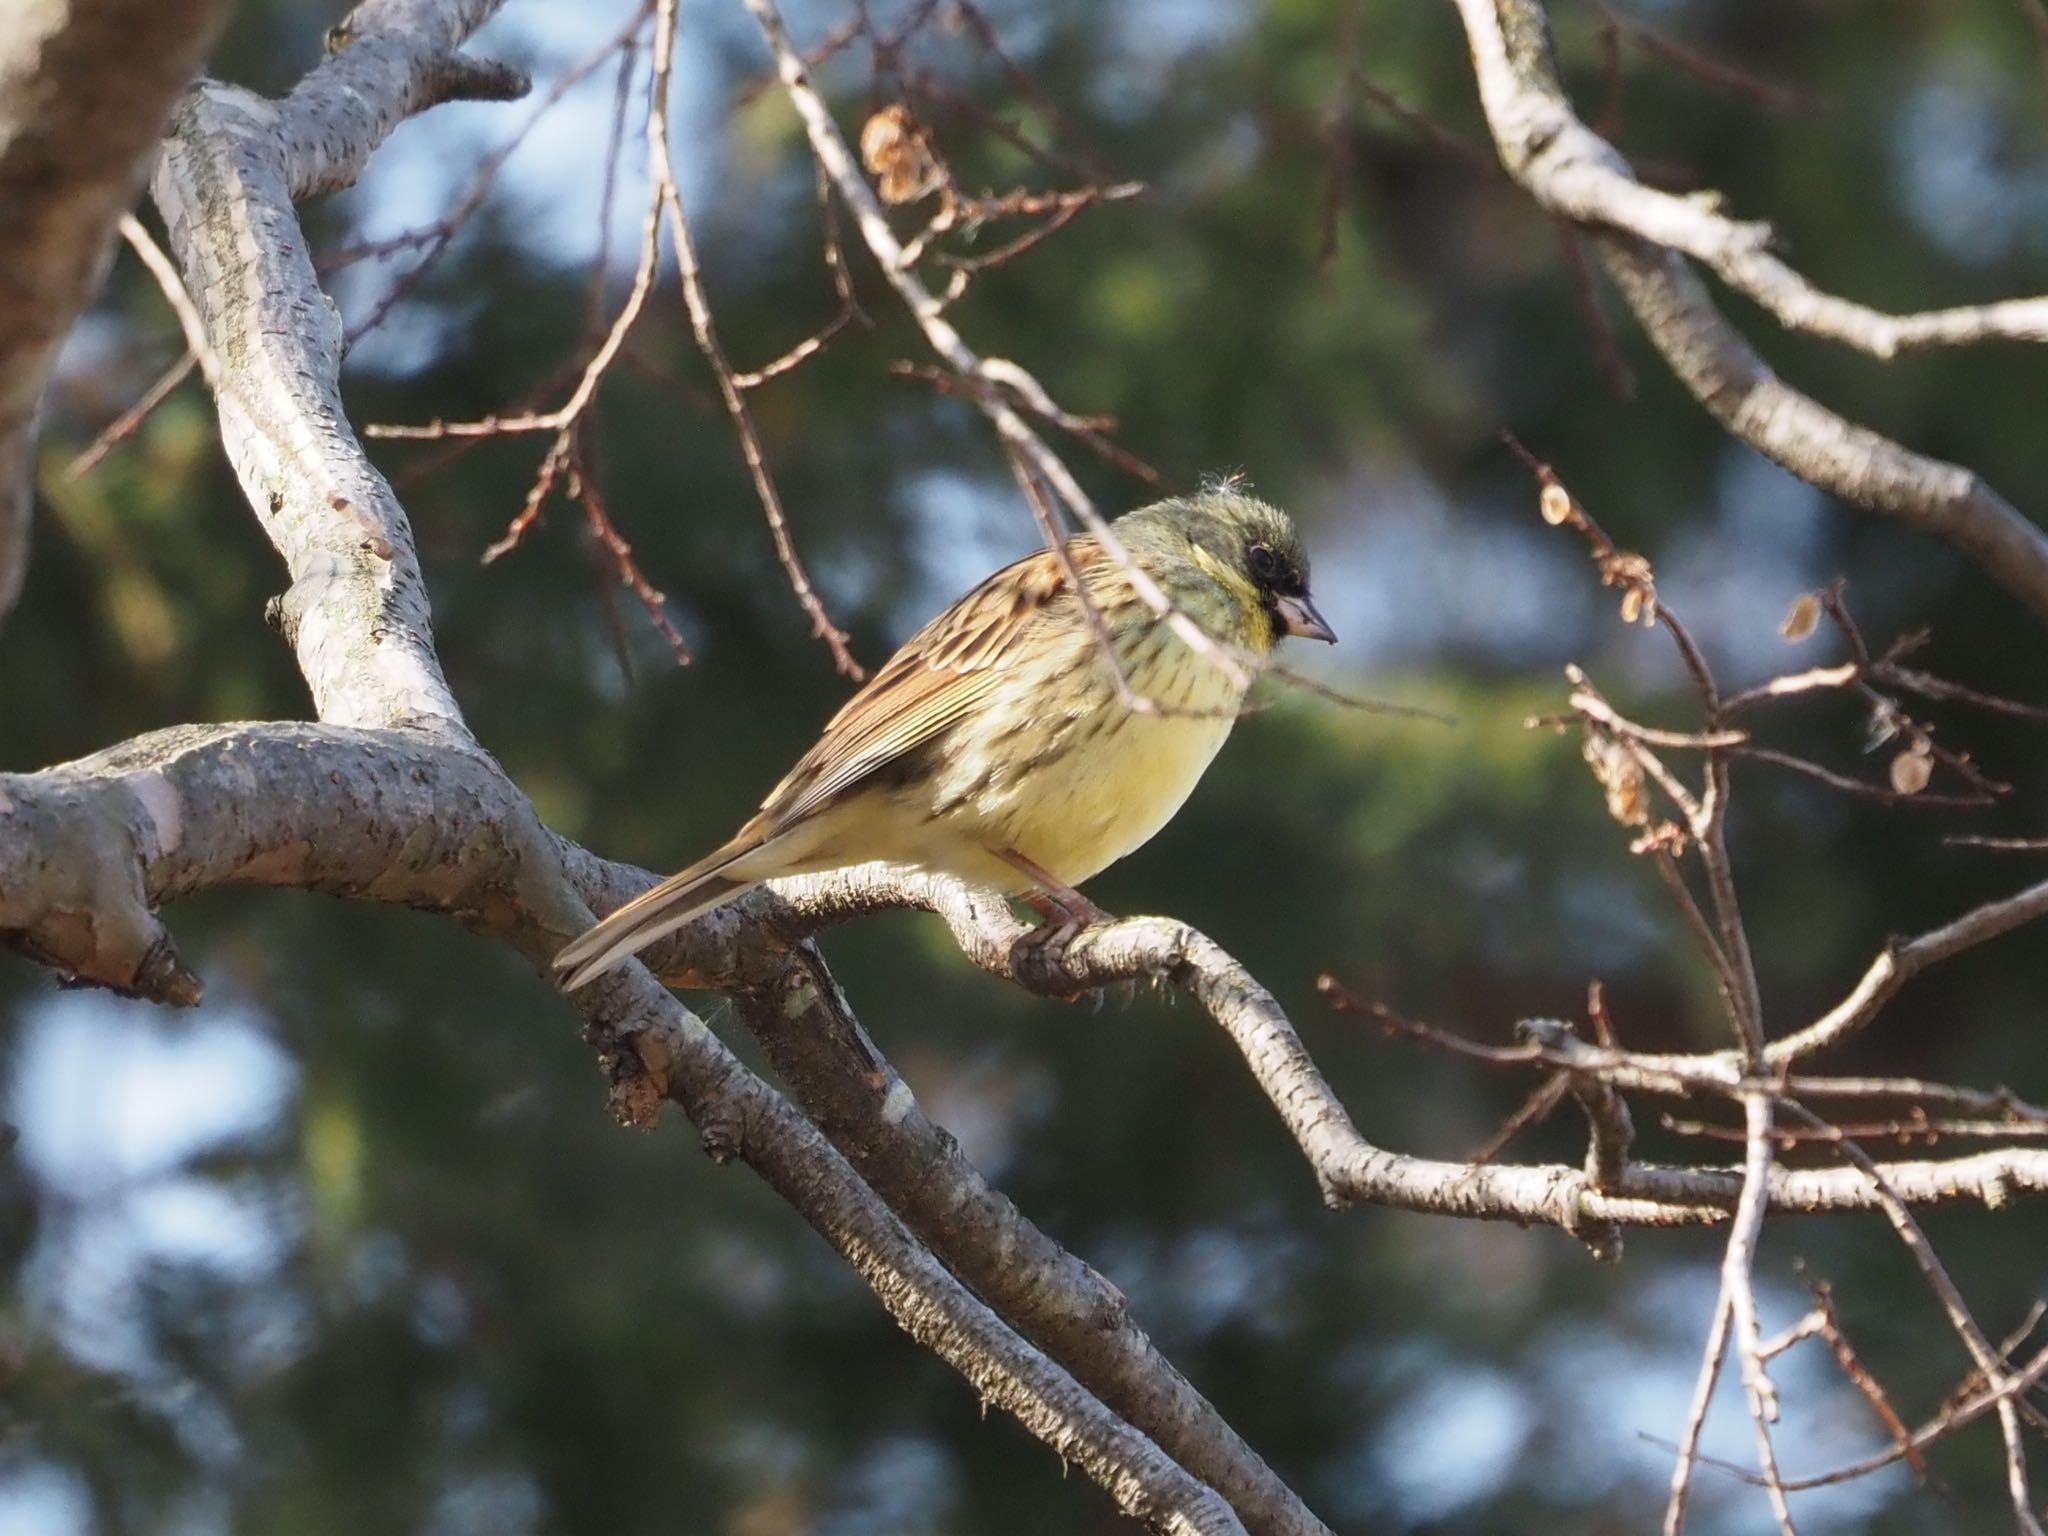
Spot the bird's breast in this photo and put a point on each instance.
(1106, 777)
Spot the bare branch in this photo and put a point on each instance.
(1951, 1418)
(1715, 1353)
(165, 272)
(1989, 1361)
(88, 849)
(433, 241)
(1577, 175)
(1900, 963)
(833, 153)
(790, 1002)
(1349, 1169)
(123, 426)
(386, 60)
(390, 801)
(1738, 1297)
(85, 88)
(702, 327)
(357, 612)
(1574, 173)
(176, 812)
(1767, 94)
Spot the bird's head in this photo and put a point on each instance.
(1247, 545)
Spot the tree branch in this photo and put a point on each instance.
(85, 87)
(790, 1002)
(357, 612)
(1644, 237)
(1578, 175)
(1348, 1168)
(89, 849)
(390, 800)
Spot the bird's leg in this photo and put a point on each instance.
(1064, 912)
(1054, 899)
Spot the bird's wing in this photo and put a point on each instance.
(937, 679)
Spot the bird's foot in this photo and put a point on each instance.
(1039, 955)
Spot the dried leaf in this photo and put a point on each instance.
(1631, 572)
(1664, 837)
(1556, 504)
(1802, 618)
(1911, 770)
(897, 156)
(1618, 773)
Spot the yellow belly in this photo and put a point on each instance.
(1080, 814)
(1071, 786)
(1118, 777)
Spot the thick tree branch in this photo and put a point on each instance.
(1578, 175)
(89, 849)
(413, 816)
(398, 804)
(740, 1115)
(387, 60)
(357, 612)
(85, 88)
(1644, 237)
(390, 800)
(789, 1000)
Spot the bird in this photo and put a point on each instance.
(1023, 739)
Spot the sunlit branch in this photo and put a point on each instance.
(1647, 238)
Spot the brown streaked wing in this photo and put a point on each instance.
(937, 678)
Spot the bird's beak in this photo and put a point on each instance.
(1298, 616)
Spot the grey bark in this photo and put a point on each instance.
(1647, 240)
(390, 799)
(404, 781)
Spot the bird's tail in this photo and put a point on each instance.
(710, 882)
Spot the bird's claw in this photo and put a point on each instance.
(1038, 958)
(1039, 955)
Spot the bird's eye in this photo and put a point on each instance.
(1265, 564)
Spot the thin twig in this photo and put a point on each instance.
(438, 237)
(1711, 1358)
(165, 271)
(833, 153)
(1988, 1360)
(698, 304)
(123, 426)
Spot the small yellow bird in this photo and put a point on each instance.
(995, 745)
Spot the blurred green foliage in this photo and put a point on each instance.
(464, 1302)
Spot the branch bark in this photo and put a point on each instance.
(790, 1002)
(357, 612)
(89, 849)
(1348, 1167)
(85, 88)
(1645, 237)
(390, 799)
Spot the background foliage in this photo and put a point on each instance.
(354, 1247)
